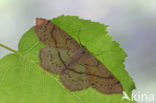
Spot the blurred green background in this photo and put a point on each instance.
(132, 24)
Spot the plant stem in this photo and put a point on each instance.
(8, 48)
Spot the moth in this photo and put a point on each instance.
(77, 67)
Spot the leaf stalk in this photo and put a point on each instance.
(8, 48)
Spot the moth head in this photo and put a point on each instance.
(39, 21)
(84, 49)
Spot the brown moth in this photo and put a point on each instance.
(78, 69)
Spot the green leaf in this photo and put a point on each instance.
(22, 80)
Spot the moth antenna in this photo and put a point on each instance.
(104, 52)
(79, 37)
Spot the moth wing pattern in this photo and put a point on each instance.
(102, 80)
(75, 78)
(50, 59)
(52, 36)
